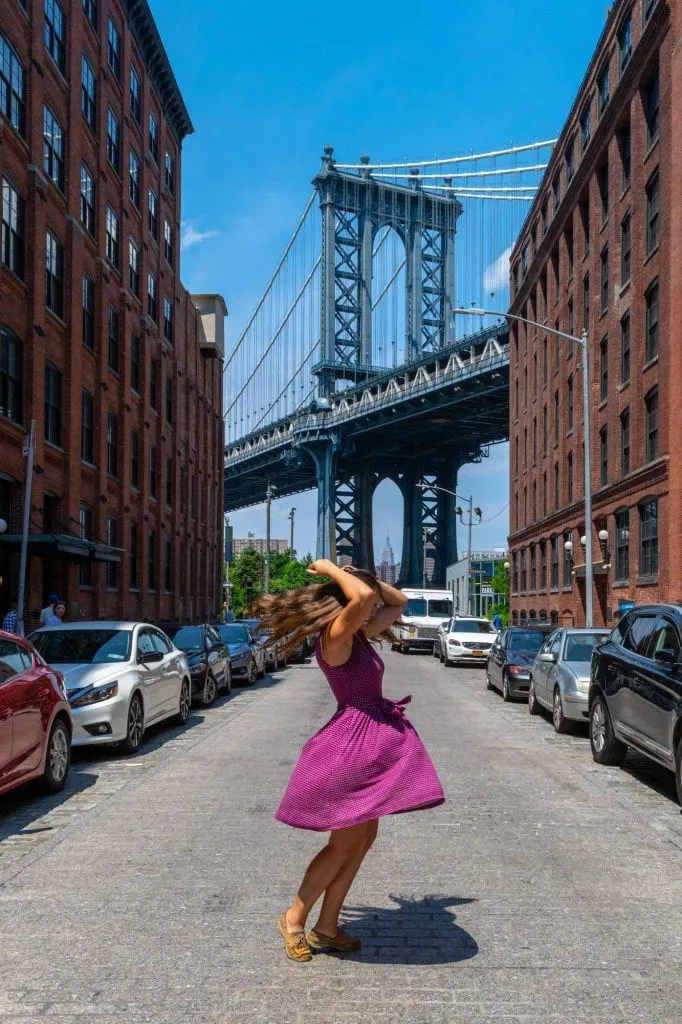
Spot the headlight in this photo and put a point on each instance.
(96, 696)
(454, 643)
(519, 670)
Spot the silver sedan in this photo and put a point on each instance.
(121, 677)
(560, 676)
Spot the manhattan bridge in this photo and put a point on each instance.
(353, 369)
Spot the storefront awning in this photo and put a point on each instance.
(62, 545)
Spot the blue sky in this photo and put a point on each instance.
(268, 85)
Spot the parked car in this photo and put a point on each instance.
(635, 694)
(247, 655)
(560, 676)
(35, 718)
(465, 638)
(510, 659)
(121, 677)
(208, 659)
(275, 656)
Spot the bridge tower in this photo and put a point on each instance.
(355, 207)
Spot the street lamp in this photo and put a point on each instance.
(458, 511)
(582, 341)
(269, 495)
(290, 517)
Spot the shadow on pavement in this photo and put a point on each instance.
(415, 931)
(26, 804)
(650, 774)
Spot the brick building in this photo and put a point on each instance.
(601, 250)
(241, 544)
(101, 345)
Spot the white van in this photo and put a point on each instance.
(426, 610)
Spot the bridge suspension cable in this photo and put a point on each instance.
(511, 151)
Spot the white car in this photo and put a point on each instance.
(466, 639)
(121, 677)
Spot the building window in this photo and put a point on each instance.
(168, 320)
(151, 296)
(12, 86)
(652, 210)
(112, 444)
(555, 562)
(134, 179)
(168, 242)
(605, 280)
(569, 252)
(112, 540)
(88, 93)
(625, 145)
(622, 545)
(134, 268)
(153, 138)
(54, 275)
(135, 95)
(586, 303)
(153, 472)
(153, 213)
(114, 49)
(535, 501)
(569, 478)
(556, 485)
(544, 430)
(153, 377)
(522, 571)
(90, 11)
(569, 160)
(85, 523)
(543, 566)
(651, 425)
(11, 375)
(603, 457)
(135, 363)
(87, 200)
(625, 349)
(545, 361)
(170, 173)
(134, 459)
(544, 219)
(652, 102)
(169, 399)
(603, 89)
(168, 582)
(624, 45)
(651, 322)
(604, 370)
(53, 404)
(568, 559)
(151, 560)
(570, 327)
(55, 33)
(533, 568)
(556, 194)
(87, 427)
(569, 405)
(648, 9)
(13, 219)
(603, 182)
(625, 248)
(112, 249)
(648, 534)
(113, 141)
(134, 579)
(585, 220)
(113, 328)
(556, 417)
(53, 148)
(585, 128)
(169, 481)
(625, 442)
(88, 310)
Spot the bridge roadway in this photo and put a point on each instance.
(440, 410)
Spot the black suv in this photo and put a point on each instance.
(636, 689)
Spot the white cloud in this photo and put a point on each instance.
(496, 276)
(190, 236)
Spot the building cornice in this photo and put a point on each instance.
(146, 34)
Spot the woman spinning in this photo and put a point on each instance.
(366, 762)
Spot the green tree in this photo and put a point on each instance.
(246, 581)
(501, 588)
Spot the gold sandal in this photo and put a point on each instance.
(341, 942)
(295, 945)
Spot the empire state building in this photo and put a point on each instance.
(388, 571)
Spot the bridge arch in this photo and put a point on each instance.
(389, 297)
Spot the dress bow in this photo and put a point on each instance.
(396, 707)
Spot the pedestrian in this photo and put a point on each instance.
(11, 623)
(366, 762)
(58, 613)
(48, 610)
(497, 621)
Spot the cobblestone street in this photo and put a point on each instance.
(547, 888)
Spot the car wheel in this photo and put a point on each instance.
(561, 725)
(606, 749)
(506, 692)
(262, 671)
(252, 673)
(228, 680)
(488, 681)
(210, 690)
(135, 729)
(57, 759)
(446, 661)
(533, 707)
(185, 703)
(678, 770)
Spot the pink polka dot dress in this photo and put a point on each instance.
(367, 761)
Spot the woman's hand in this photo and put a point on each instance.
(321, 568)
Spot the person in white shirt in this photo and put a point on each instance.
(48, 610)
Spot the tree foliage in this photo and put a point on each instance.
(247, 576)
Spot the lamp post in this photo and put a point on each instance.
(582, 341)
(458, 511)
(291, 517)
(269, 495)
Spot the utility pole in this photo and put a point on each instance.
(459, 512)
(29, 445)
(425, 535)
(470, 586)
(291, 517)
(269, 495)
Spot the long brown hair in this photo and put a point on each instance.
(296, 614)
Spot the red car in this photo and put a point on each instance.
(35, 718)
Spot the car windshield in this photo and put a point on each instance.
(436, 608)
(188, 638)
(472, 626)
(526, 641)
(83, 646)
(233, 633)
(580, 646)
(439, 608)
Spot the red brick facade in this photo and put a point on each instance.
(606, 258)
(125, 368)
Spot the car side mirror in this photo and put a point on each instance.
(548, 658)
(667, 656)
(150, 658)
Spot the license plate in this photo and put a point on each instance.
(477, 654)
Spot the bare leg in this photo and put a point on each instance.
(337, 890)
(323, 869)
